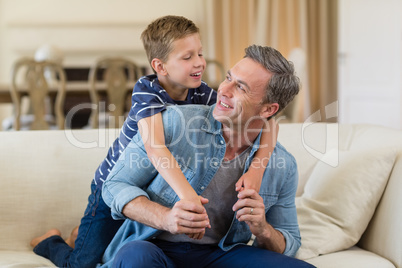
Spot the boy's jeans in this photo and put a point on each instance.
(95, 232)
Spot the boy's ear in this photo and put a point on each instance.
(158, 66)
(269, 109)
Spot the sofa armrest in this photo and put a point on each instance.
(384, 233)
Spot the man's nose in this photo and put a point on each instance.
(226, 89)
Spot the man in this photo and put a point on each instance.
(214, 146)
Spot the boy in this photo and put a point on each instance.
(174, 51)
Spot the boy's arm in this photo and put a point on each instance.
(253, 177)
(152, 133)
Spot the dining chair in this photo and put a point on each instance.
(118, 75)
(28, 77)
(214, 73)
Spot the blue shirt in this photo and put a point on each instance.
(195, 139)
(148, 98)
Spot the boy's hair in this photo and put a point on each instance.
(159, 35)
(284, 84)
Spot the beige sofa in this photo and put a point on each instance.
(349, 197)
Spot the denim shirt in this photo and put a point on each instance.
(195, 139)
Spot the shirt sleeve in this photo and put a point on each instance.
(146, 100)
(283, 216)
(128, 179)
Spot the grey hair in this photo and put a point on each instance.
(284, 85)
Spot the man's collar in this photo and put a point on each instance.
(211, 125)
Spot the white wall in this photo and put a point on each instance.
(83, 29)
(370, 63)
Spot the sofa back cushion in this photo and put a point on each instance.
(339, 202)
(303, 139)
(45, 181)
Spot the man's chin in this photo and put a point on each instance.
(224, 119)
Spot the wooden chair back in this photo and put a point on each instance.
(36, 85)
(119, 75)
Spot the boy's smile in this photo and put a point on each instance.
(183, 68)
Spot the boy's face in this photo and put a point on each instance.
(185, 64)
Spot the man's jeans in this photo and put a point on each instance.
(157, 253)
(95, 232)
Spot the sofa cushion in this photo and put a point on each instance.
(22, 259)
(354, 257)
(338, 203)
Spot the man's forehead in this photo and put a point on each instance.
(249, 71)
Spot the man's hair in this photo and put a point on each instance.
(159, 35)
(284, 84)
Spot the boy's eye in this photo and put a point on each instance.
(187, 58)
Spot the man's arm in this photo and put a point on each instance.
(124, 191)
(184, 218)
(281, 216)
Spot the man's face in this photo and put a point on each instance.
(240, 95)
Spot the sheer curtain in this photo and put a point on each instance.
(305, 29)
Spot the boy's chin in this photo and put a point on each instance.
(195, 84)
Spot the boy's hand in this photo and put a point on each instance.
(200, 200)
(198, 236)
(249, 180)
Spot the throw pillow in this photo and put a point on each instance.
(338, 203)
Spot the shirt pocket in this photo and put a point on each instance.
(269, 200)
(160, 191)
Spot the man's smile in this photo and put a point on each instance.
(225, 105)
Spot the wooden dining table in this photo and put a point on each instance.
(77, 92)
(73, 88)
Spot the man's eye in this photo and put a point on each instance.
(239, 86)
(228, 78)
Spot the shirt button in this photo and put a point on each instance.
(202, 187)
(215, 164)
(222, 142)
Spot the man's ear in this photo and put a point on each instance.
(158, 66)
(269, 110)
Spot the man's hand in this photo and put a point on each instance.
(188, 218)
(250, 209)
(184, 218)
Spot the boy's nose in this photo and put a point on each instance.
(200, 61)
